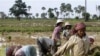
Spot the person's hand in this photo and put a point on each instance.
(57, 53)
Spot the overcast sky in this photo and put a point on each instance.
(37, 4)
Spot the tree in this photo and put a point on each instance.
(62, 8)
(18, 9)
(37, 14)
(87, 16)
(76, 10)
(29, 7)
(82, 9)
(43, 15)
(65, 8)
(76, 17)
(57, 13)
(50, 10)
(29, 15)
(55, 9)
(2, 15)
(50, 13)
(99, 10)
(95, 16)
(43, 8)
(68, 9)
(67, 14)
(79, 10)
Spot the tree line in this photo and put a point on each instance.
(20, 9)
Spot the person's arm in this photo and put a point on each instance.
(66, 46)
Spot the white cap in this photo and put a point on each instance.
(59, 20)
(67, 23)
(93, 37)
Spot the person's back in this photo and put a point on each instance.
(19, 52)
(27, 50)
(47, 42)
(44, 45)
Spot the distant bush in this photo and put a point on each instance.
(76, 17)
(8, 38)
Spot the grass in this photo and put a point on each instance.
(39, 29)
(2, 51)
(40, 25)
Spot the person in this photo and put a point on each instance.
(27, 50)
(93, 47)
(78, 42)
(45, 46)
(91, 39)
(56, 34)
(66, 30)
(66, 35)
(9, 50)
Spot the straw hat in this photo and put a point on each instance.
(59, 21)
(67, 23)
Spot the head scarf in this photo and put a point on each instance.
(80, 26)
(77, 27)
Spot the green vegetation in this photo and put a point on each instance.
(19, 8)
(40, 25)
(2, 51)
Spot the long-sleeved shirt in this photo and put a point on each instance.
(56, 33)
(46, 42)
(26, 51)
(19, 53)
(66, 34)
(78, 45)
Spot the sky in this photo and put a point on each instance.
(37, 4)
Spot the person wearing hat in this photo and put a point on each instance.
(93, 48)
(56, 34)
(91, 38)
(79, 42)
(66, 30)
(66, 34)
